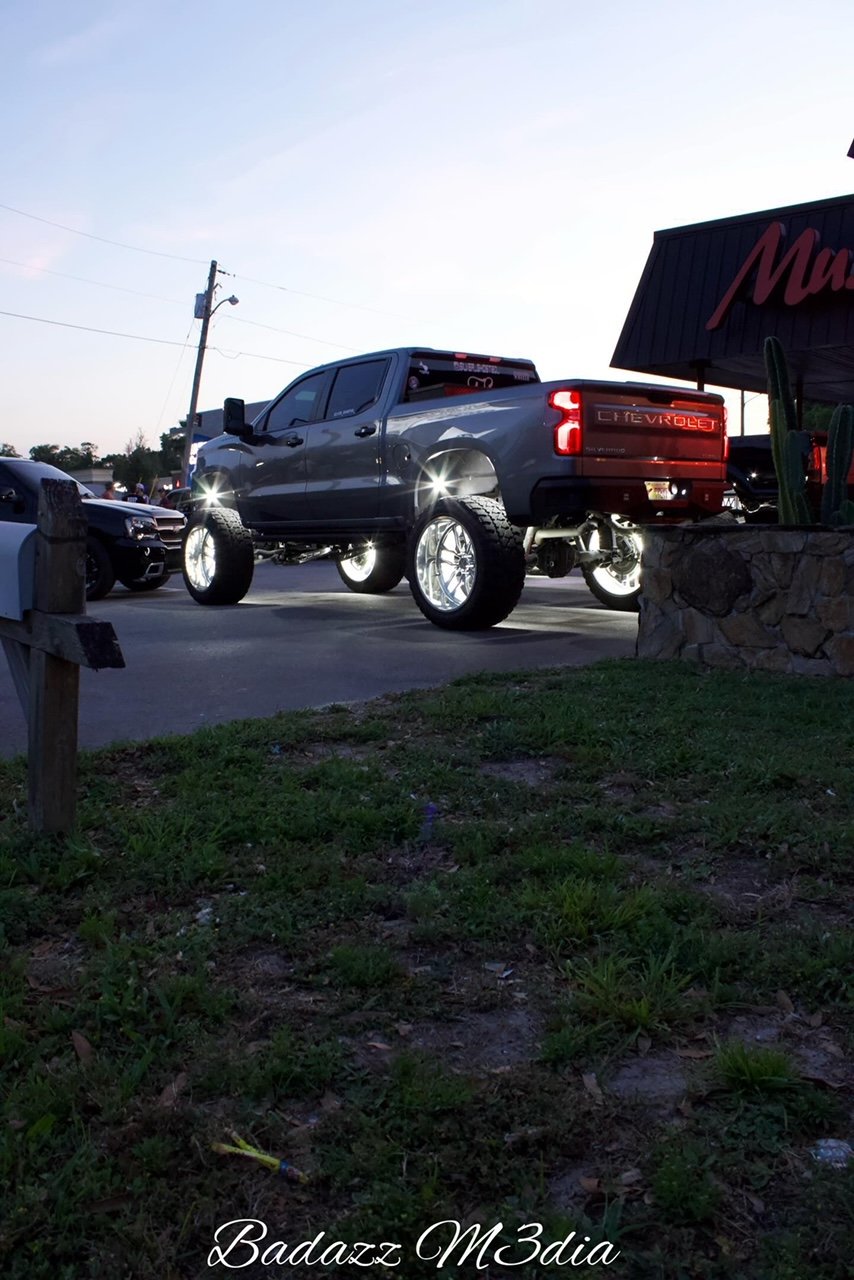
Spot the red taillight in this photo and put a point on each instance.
(568, 430)
(726, 444)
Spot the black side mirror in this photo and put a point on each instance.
(234, 418)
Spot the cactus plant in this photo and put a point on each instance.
(845, 514)
(788, 444)
(840, 447)
(786, 439)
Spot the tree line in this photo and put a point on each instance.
(137, 462)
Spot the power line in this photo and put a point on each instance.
(174, 376)
(290, 333)
(118, 244)
(139, 337)
(266, 284)
(64, 324)
(253, 355)
(101, 284)
(335, 302)
(177, 302)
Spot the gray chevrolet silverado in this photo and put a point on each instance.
(461, 472)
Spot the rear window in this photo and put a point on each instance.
(434, 374)
(356, 388)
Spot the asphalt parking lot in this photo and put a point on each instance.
(301, 639)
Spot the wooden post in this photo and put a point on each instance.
(60, 587)
(46, 651)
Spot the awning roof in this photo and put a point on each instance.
(711, 293)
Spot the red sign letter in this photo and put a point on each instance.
(768, 276)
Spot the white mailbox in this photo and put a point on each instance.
(17, 569)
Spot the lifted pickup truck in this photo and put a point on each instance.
(459, 471)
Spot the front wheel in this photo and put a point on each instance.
(373, 570)
(466, 564)
(100, 574)
(218, 557)
(615, 581)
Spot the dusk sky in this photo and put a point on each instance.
(484, 175)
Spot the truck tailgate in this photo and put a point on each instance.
(645, 452)
(629, 434)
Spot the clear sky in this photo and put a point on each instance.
(484, 175)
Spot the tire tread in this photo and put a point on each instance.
(235, 558)
(500, 570)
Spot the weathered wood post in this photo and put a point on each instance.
(46, 649)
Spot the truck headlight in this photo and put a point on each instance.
(137, 527)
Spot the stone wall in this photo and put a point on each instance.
(754, 597)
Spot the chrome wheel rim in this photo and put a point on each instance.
(445, 564)
(622, 575)
(200, 557)
(359, 567)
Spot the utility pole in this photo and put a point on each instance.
(197, 376)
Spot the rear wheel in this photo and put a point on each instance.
(373, 570)
(218, 558)
(466, 564)
(616, 581)
(100, 575)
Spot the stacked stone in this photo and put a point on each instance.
(755, 597)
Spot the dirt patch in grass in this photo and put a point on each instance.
(532, 773)
(481, 1042)
(658, 1081)
(742, 888)
(312, 751)
(419, 860)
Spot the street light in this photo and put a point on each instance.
(746, 402)
(204, 311)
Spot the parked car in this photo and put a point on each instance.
(177, 499)
(139, 546)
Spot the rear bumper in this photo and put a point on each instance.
(572, 497)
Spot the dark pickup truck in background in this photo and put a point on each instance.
(140, 546)
(459, 471)
(752, 479)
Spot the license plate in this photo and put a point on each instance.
(658, 490)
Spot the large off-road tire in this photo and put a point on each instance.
(100, 575)
(218, 557)
(466, 563)
(145, 584)
(374, 570)
(616, 583)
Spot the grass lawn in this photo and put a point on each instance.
(565, 948)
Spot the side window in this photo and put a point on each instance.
(6, 482)
(297, 405)
(355, 388)
(17, 509)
